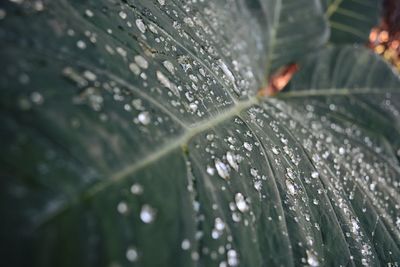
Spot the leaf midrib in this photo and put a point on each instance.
(208, 124)
(196, 129)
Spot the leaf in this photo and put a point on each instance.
(133, 138)
(352, 20)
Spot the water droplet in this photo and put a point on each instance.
(258, 185)
(122, 14)
(188, 21)
(372, 186)
(144, 118)
(210, 170)
(89, 75)
(185, 244)
(226, 71)
(254, 172)
(290, 187)
(236, 216)
(231, 140)
(141, 61)
(37, 98)
(195, 256)
(232, 257)
(275, 150)
(312, 259)
(122, 207)
(215, 234)
(231, 158)
(241, 203)
(140, 25)
(219, 224)
(354, 226)
(161, 2)
(136, 189)
(167, 83)
(222, 169)
(169, 66)
(315, 175)
(248, 146)
(210, 137)
(89, 13)
(147, 214)
(193, 107)
(81, 44)
(134, 68)
(131, 254)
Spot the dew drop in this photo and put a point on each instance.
(193, 107)
(275, 150)
(161, 2)
(248, 146)
(122, 207)
(222, 169)
(144, 118)
(131, 254)
(215, 234)
(136, 189)
(167, 83)
(81, 44)
(258, 185)
(141, 61)
(232, 257)
(134, 68)
(226, 71)
(140, 25)
(147, 214)
(210, 137)
(210, 170)
(169, 66)
(315, 175)
(354, 226)
(231, 158)
(312, 259)
(122, 14)
(89, 75)
(37, 98)
(290, 187)
(188, 21)
(254, 172)
(89, 13)
(219, 224)
(241, 203)
(185, 244)
(236, 217)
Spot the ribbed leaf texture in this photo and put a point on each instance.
(133, 134)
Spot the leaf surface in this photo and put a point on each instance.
(352, 20)
(133, 135)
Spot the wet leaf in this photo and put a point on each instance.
(133, 134)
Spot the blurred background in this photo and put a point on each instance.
(385, 38)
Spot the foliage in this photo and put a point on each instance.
(133, 134)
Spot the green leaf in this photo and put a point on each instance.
(133, 135)
(352, 20)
